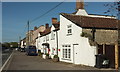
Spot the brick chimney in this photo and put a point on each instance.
(35, 28)
(54, 21)
(46, 25)
(79, 4)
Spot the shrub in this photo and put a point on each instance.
(47, 54)
(55, 56)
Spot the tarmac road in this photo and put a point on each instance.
(20, 62)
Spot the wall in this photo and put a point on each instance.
(36, 32)
(104, 36)
(86, 53)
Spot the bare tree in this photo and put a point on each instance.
(113, 8)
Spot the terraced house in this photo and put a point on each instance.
(47, 41)
(83, 36)
(80, 38)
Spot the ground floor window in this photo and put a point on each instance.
(66, 51)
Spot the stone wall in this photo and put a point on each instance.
(103, 36)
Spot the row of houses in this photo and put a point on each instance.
(77, 38)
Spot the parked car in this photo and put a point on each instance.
(16, 49)
(31, 50)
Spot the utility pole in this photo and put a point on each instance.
(19, 41)
(28, 33)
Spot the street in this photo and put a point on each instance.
(20, 62)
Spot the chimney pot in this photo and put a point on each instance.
(54, 21)
(46, 25)
(79, 4)
(35, 28)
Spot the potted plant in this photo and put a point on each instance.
(40, 54)
(47, 56)
(56, 58)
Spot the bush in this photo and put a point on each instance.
(55, 56)
(47, 54)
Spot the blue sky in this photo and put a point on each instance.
(16, 14)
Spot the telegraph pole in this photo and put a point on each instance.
(19, 41)
(28, 33)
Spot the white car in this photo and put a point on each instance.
(16, 49)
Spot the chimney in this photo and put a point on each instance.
(46, 25)
(35, 28)
(79, 4)
(54, 21)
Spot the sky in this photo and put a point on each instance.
(16, 14)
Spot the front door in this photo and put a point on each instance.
(75, 54)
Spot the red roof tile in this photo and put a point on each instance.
(90, 22)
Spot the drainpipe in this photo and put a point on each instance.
(57, 41)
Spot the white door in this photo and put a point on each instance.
(76, 54)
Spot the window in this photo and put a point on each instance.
(63, 53)
(69, 30)
(43, 39)
(66, 51)
(69, 52)
(47, 38)
(52, 51)
(52, 36)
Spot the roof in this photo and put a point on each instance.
(46, 31)
(91, 22)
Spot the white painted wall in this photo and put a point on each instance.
(86, 53)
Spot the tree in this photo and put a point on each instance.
(113, 9)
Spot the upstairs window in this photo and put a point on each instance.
(43, 39)
(69, 30)
(52, 35)
(47, 38)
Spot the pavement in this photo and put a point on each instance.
(21, 62)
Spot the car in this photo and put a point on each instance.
(16, 49)
(31, 50)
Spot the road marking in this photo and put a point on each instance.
(6, 62)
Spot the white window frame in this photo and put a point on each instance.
(69, 30)
(66, 53)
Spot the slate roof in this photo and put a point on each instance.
(92, 22)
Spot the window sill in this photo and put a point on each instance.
(66, 59)
(69, 34)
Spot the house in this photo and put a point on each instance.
(83, 36)
(29, 36)
(36, 32)
(43, 40)
(23, 43)
(33, 34)
(54, 38)
(47, 40)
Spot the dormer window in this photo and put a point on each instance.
(69, 30)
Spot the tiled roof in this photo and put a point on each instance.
(90, 22)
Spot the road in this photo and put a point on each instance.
(20, 62)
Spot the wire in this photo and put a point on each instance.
(42, 15)
(46, 12)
